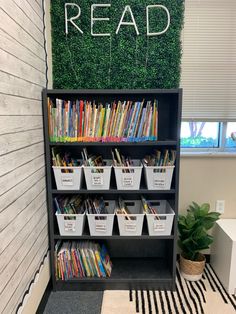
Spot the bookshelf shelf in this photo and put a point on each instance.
(113, 237)
(139, 262)
(128, 273)
(113, 191)
(116, 144)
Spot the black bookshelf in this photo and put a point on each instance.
(139, 262)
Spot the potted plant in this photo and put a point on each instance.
(193, 238)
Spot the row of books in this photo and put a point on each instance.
(89, 121)
(94, 205)
(123, 209)
(158, 158)
(65, 159)
(79, 259)
(76, 204)
(69, 204)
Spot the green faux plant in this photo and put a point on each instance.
(193, 230)
(119, 61)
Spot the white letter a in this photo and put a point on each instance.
(127, 8)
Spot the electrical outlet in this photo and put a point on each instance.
(220, 206)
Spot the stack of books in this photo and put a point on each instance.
(87, 121)
(147, 207)
(77, 205)
(160, 158)
(95, 206)
(92, 160)
(81, 259)
(120, 160)
(60, 159)
(69, 204)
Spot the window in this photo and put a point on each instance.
(208, 136)
(231, 128)
(200, 134)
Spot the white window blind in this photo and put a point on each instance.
(209, 60)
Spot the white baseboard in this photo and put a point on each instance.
(33, 297)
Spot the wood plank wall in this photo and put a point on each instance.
(23, 212)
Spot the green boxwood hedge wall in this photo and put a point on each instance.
(119, 61)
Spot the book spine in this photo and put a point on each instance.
(138, 120)
(125, 122)
(94, 121)
(87, 269)
(141, 124)
(128, 120)
(132, 120)
(101, 123)
(81, 105)
(135, 120)
(148, 135)
(106, 123)
(112, 119)
(115, 120)
(98, 259)
(156, 120)
(121, 120)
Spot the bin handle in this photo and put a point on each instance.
(69, 217)
(100, 217)
(64, 170)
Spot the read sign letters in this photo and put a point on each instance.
(126, 12)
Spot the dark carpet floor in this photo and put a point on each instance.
(74, 302)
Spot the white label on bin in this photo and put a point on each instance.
(159, 180)
(130, 226)
(127, 180)
(67, 180)
(97, 179)
(159, 226)
(69, 225)
(100, 226)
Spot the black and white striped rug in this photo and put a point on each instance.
(207, 296)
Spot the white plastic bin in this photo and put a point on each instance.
(102, 224)
(134, 225)
(68, 178)
(98, 180)
(70, 224)
(158, 178)
(126, 180)
(160, 224)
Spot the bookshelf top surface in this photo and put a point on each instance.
(112, 91)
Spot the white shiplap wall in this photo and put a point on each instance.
(23, 212)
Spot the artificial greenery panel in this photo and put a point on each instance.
(123, 60)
